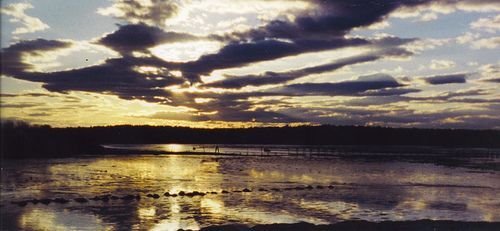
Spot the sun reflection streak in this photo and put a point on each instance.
(48, 219)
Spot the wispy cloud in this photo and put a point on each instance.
(28, 23)
(489, 24)
(446, 79)
(441, 64)
(151, 12)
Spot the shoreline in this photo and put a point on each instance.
(416, 225)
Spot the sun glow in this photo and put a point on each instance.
(185, 51)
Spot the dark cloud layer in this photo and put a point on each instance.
(282, 77)
(241, 54)
(116, 76)
(139, 37)
(12, 62)
(235, 82)
(446, 79)
(352, 87)
(329, 19)
(493, 80)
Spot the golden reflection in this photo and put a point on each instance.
(174, 225)
(259, 216)
(176, 220)
(149, 212)
(490, 217)
(173, 148)
(162, 168)
(212, 206)
(417, 205)
(289, 175)
(50, 219)
(156, 174)
(217, 209)
(341, 209)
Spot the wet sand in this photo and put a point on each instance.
(192, 192)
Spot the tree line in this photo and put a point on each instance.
(20, 139)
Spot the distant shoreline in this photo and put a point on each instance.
(418, 225)
(44, 141)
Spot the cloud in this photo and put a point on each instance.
(328, 19)
(151, 12)
(39, 94)
(12, 56)
(459, 93)
(390, 91)
(260, 116)
(29, 24)
(379, 25)
(492, 80)
(430, 10)
(236, 82)
(476, 41)
(490, 73)
(441, 64)
(446, 79)
(353, 87)
(116, 76)
(39, 114)
(490, 24)
(381, 99)
(428, 17)
(139, 37)
(490, 69)
(227, 16)
(486, 43)
(282, 77)
(241, 54)
(420, 45)
(475, 5)
(467, 38)
(239, 106)
(119, 76)
(19, 105)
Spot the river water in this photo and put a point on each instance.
(283, 188)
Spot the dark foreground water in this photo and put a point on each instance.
(319, 189)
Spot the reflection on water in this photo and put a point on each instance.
(376, 191)
(56, 219)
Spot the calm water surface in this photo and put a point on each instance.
(368, 189)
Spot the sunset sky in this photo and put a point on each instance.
(239, 63)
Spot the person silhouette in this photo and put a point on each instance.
(217, 149)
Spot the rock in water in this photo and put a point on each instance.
(81, 200)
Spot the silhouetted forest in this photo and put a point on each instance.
(23, 140)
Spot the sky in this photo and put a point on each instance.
(245, 63)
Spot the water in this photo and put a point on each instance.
(238, 149)
(375, 189)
